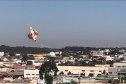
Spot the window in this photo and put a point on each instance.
(91, 70)
(66, 70)
(27, 74)
(82, 74)
(110, 72)
(91, 74)
(83, 70)
(118, 66)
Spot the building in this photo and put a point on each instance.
(87, 71)
(38, 55)
(30, 74)
(97, 53)
(115, 71)
(108, 58)
(1, 54)
(119, 65)
(20, 67)
(37, 62)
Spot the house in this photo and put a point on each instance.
(14, 58)
(108, 58)
(37, 62)
(1, 54)
(4, 59)
(17, 61)
(17, 54)
(20, 67)
(97, 53)
(4, 69)
(7, 79)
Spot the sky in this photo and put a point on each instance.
(63, 23)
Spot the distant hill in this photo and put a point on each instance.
(19, 49)
(37, 50)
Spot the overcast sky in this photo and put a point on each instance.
(64, 23)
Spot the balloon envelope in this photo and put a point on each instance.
(32, 34)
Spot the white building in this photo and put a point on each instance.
(52, 54)
(119, 64)
(108, 58)
(88, 71)
(31, 73)
(17, 54)
(17, 61)
(1, 54)
(36, 62)
(39, 81)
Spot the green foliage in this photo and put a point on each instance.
(102, 58)
(19, 49)
(124, 79)
(73, 82)
(45, 71)
(110, 81)
(116, 51)
(91, 64)
(61, 73)
(121, 59)
(12, 70)
(84, 63)
(104, 72)
(69, 73)
(24, 58)
(82, 74)
(68, 63)
(49, 79)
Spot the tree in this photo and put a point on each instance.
(68, 63)
(104, 72)
(124, 79)
(61, 73)
(24, 58)
(111, 63)
(73, 82)
(47, 71)
(69, 73)
(83, 63)
(109, 81)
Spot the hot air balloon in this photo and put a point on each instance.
(32, 34)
